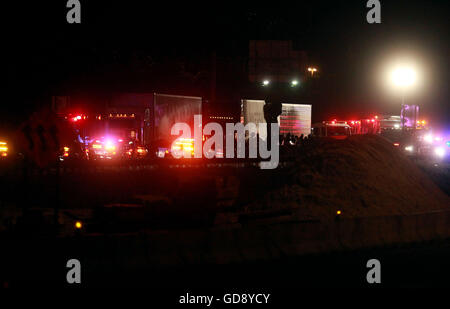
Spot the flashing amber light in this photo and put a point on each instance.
(4, 149)
(184, 144)
(110, 147)
(338, 212)
(78, 225)
(141, 150)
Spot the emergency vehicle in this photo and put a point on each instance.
(334, 129)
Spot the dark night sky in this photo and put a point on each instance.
(43, 54)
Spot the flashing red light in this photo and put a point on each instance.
(353, 122)
(76, 118)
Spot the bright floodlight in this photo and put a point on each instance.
(266, 82)
(404, 76)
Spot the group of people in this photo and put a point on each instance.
(293, 140)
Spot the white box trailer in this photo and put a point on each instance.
(294, 119)
(252, 111)
(170, 109)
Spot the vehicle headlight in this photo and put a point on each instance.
(440, 152)
(428, 138)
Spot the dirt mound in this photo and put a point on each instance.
(361, 176)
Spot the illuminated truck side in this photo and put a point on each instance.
(295, 119)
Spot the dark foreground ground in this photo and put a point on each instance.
(364, 177)
(42, 264)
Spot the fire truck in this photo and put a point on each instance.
(334, 129)
(135, 125)
(109, 136)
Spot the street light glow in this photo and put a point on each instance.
(312, 70)
(266, 82)
(294, 83)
